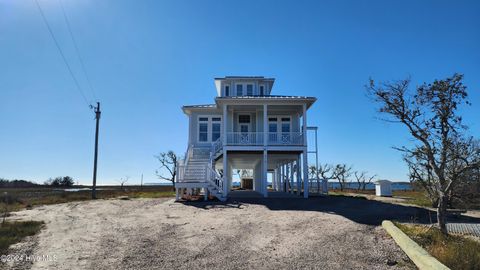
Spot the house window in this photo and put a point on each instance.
(285, 124)
(272, 124)
(262, 90)
(249, 89)
(209, 128)
(216, 126)
(244, 123)
(203, 131)
(244, 119)
(272, 127)
(227, 90)
(239, 89)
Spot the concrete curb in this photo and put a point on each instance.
(422, 259)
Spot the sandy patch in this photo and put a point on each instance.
(162, 234)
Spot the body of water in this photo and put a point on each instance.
(371, 186)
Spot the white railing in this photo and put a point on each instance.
(191, 173)
(273, 138)
(285, 138)
(200, 173)
(215, 179)
(217, 146)
(188, 155)
(244, 138)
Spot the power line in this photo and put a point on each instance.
(61, 53)
(77, 50)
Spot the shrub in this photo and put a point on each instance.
(65, 181)
(454, 251)
(14, 232)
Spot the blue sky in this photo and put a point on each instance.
(148, 58)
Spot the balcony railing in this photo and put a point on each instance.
(257, 138)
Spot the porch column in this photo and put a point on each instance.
(265, 172)
(273, 178)
(299, 177)
(225, 172)
(278, 178)
(305, 174)
(282, 177)
(265, 125)
(292, 168)
(225, 112)
(265, 152)
(305, 153)
(225, 158)
(287, 178)
(304, 128)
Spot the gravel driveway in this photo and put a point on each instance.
(162, 234)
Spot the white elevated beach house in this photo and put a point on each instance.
(247, 128)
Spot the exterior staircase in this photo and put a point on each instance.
(196, 172)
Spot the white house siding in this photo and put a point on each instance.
(232, 122)
(256, 86)
(252, 156)
(194, 127)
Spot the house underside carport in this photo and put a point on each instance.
(284, 167)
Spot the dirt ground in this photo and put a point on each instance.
(318, 233)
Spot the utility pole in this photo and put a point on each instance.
(97, 118)
(141, 182)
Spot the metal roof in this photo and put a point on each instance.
(310, 101)
(201, 106)
(243, 77)
(267, 97)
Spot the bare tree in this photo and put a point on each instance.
(360, 177)
(168, 162)
(342, 172)
(443, 155)
(324, 171)
(123, 181)
(363, 179)
(312, 172)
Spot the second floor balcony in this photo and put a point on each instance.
(258, 138)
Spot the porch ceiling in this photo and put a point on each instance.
(272, 109)
(239, 160)
(269, 100)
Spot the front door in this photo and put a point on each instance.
(244, 125)
(272, 130)
(279, 130)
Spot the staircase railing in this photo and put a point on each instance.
(182, 164)
(188, 155)
(217, 146)
(215, 179)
